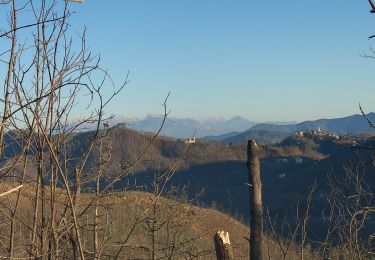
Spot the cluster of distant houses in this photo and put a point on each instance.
(324, 134)
(318, 132)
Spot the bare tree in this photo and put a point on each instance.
(290, 233)
(350, 215)
(45, 74)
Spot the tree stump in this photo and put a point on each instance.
(223, 247)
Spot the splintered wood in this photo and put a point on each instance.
(223, 247)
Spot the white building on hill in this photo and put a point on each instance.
(190, 140)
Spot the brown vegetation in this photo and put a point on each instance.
(68, 207)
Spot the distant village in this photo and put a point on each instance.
(309, 134)
(317, 133)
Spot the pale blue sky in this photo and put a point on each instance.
(264, 60)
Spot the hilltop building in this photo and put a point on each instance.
(190, 140)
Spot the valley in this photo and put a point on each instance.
(207, 176)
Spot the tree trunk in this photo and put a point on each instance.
(255, 194)
(75, 247)
(223, 247)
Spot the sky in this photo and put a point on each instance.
(263, 60)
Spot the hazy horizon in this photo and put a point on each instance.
(221, 118)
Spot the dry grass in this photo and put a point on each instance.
(181, 231)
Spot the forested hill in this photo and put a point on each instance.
(269, 133)
(354, 124)
(128, 145)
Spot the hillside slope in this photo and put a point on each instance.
(183, 231)
(351, 124)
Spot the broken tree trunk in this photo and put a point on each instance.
(223, 247)
(255, 194)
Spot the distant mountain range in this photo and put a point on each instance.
(274, 133)
(354, 124)
(186, 127)
(178, 127)
(237, 129)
